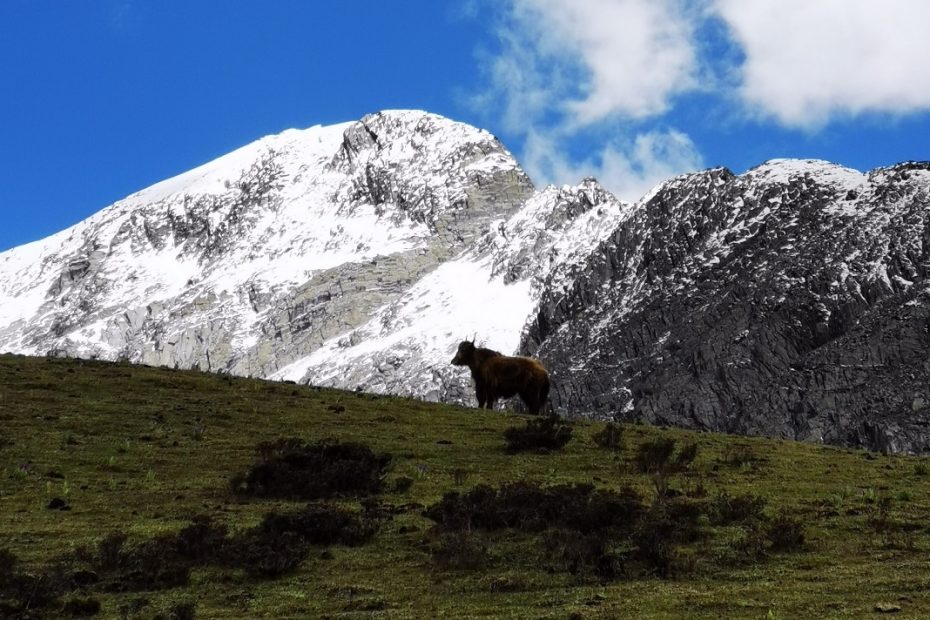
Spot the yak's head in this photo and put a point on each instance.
(465, 353)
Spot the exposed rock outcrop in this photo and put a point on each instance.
(789, 301)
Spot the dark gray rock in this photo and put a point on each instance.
(791, 301)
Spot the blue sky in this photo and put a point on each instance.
(105, 97)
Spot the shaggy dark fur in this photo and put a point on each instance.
(501, 376)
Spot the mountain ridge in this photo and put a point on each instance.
(721, 290)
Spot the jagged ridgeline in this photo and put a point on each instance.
(789, 301)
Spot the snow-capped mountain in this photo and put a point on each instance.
(357, 256)
(251, 262)
(791, 301)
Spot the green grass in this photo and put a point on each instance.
(144, 450)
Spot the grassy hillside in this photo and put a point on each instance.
(115, 489)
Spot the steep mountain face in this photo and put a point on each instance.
(253, 261)
(789, 301)
(488, 292)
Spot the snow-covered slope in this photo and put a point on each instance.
(254, 260)
(490, 291)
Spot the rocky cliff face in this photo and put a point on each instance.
(789, 301)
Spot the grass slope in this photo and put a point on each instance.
(143, 451)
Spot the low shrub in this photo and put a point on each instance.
(579, 553)
(276, 545)
(402, 484)
(750, 546)
(460, 550)
(760, 537)
(667, 524)
(544, 434)
(726, 509)
(785, 533)
(8, 562)
(81, 607)
(658, 456)
(293, 469)
(202, 540)
(610, 437)
(179, 611)
(527, 506)
(21, 592)
(266, 554)
(319, 524)
(281, 542)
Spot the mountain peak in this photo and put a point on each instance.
(275, 238)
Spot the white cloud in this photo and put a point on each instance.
(629, 167)
(807, 62)
(595, 59)
(594, 67)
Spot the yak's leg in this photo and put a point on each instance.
(491, 400)
(480, 395)
(532, 402)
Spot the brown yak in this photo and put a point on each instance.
(501, 376)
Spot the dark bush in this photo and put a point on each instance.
(179, 611)
(320, 525)
(653, 456)
(785, 533)
(293, 469)
(21, 591)
(751, 546)
(544, 434)
(263, 554)
(402, 484)
(81, 607)
(133, 608)
(654, 543)
(460, 550)
(282, 541)
(580, 553)
(660, 531)
(726, 509)
(110, 551)
(527, 506)
(150, 565)
(686, 456)
(8, 561)
(58, 503)
(603, 510)
(202, 540)
(119, 567)
(610, 437)
(658, 456)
